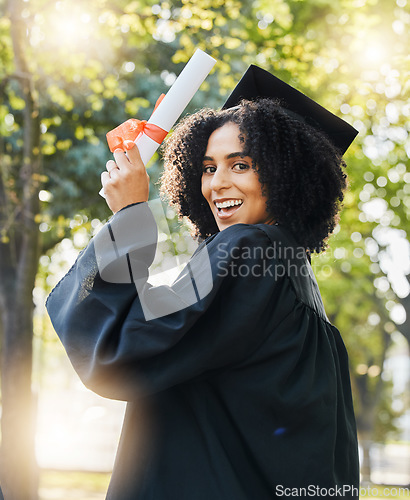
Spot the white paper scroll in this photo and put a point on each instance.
(176, 100)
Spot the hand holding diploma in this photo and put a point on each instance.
(165, 114)
(126, 180)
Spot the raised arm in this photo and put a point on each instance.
(220, 309)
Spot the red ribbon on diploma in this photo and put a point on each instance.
(132, 128)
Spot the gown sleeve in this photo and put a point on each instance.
(127, 339)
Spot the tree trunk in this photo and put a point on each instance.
(369, 400)
(365, 428)
(18, 267)
(18, 469)
(366, 466)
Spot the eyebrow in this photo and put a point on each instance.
(231, 155)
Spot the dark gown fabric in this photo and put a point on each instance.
(237, 396)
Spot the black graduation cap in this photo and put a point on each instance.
(256, 82)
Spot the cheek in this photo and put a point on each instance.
(254, 187)
(259, 197)
(205, 188)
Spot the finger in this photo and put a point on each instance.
(110, 165)
(114, 173)
(105, 177)
(120, 158)
(134, 156)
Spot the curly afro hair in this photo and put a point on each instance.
(300, 171)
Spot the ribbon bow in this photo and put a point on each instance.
(132, 128)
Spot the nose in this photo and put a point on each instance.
(220, 179)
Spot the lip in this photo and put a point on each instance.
(223, 216)
(221, 200)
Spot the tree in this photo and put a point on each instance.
(361, 295)
(19, 257)
(35, 101)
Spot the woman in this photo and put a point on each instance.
(243, 393)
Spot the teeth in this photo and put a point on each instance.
(230, 203)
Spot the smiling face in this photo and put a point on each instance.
(229, 183)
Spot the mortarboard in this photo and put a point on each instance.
(256, 82)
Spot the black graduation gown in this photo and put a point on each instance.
(242, 395)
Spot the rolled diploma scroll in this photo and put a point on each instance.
(175, 101)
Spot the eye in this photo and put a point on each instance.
(241, 166)
(208, 169)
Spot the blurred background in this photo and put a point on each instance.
(70, 71)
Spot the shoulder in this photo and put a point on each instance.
(240, 235)
(242, 250)
(269, 240)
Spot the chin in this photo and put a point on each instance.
(224, 225)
